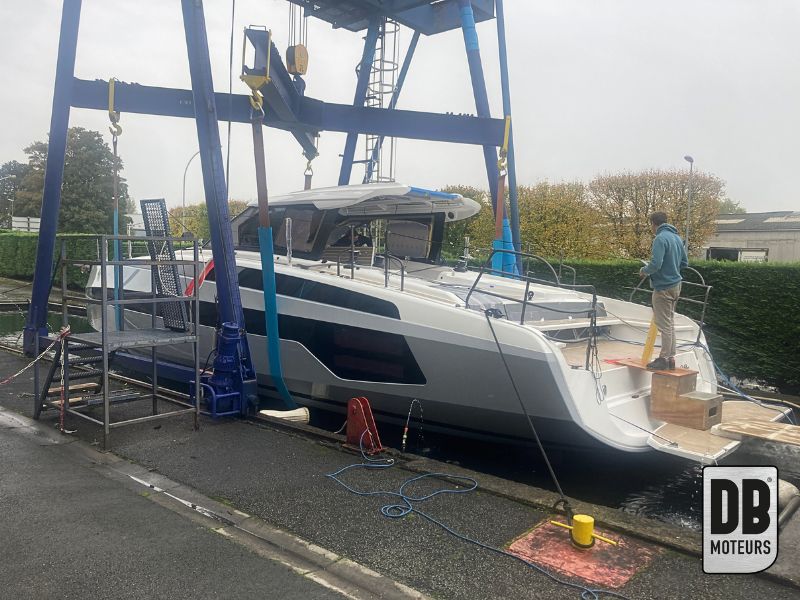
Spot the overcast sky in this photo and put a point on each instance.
(598, 86)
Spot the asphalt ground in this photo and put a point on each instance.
(281, 477)
(70, 532)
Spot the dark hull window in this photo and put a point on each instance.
(297, 287)
(349, 352)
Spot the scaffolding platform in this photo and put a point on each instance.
(135, 338)
(84, 356)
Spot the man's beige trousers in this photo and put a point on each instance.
(663, 312)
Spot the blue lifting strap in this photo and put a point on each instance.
(267, 260)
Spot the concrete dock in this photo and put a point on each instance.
(286, 526)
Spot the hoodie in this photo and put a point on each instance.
(669, 257)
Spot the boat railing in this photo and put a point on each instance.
(528, 295)
(701, 299)
(387, 257)
(572, 270)
(353, 254)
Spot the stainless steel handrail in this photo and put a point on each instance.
(528, 296)
(386, 257)
(706, 292)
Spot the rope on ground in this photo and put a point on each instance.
(407, 505)
(61, 334)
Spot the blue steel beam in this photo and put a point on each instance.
(401, 78)
(513, 193)
(429, 17)
(216, 192)
(54, 173)
(479, 91)
(364, 69)
(314, 116)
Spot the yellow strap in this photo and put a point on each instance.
(506, 135)
(115, 129)
(501, 161)
(256, 81)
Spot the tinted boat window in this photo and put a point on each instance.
(349, 352)
(297, 287)
(305, 226)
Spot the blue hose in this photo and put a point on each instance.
(406, 506)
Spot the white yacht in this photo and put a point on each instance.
(396, 325)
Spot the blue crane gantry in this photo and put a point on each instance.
(287, 108)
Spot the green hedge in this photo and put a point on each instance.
(752, 321)
(18, 255)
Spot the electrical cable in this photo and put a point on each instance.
(406, 505)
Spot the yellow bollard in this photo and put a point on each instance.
(582, 532)
(649, 343)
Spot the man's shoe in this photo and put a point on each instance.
(671, 361)
(659, 364)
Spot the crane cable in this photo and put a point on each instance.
(116, 131)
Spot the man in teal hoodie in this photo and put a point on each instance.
(664, 269)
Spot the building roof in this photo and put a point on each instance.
(782, 220)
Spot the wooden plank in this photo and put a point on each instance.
(78, 387)
(702, 446)
(763, 430)
(734, 410)
(636, 363)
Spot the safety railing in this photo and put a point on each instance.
(701, 301)
(387, 257)
(528, 294)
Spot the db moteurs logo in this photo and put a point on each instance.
(740, 519)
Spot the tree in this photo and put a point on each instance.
(11, 175)
(556, 220)
(730, 207)
(194, 218)
(87, 191)
(479, 228)
(626, 200)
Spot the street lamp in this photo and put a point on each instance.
(183, 202)
(690, 160)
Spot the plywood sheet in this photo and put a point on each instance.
(637, 363)
(734, 410)
(764, 430)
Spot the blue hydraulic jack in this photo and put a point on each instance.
(227, 391)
